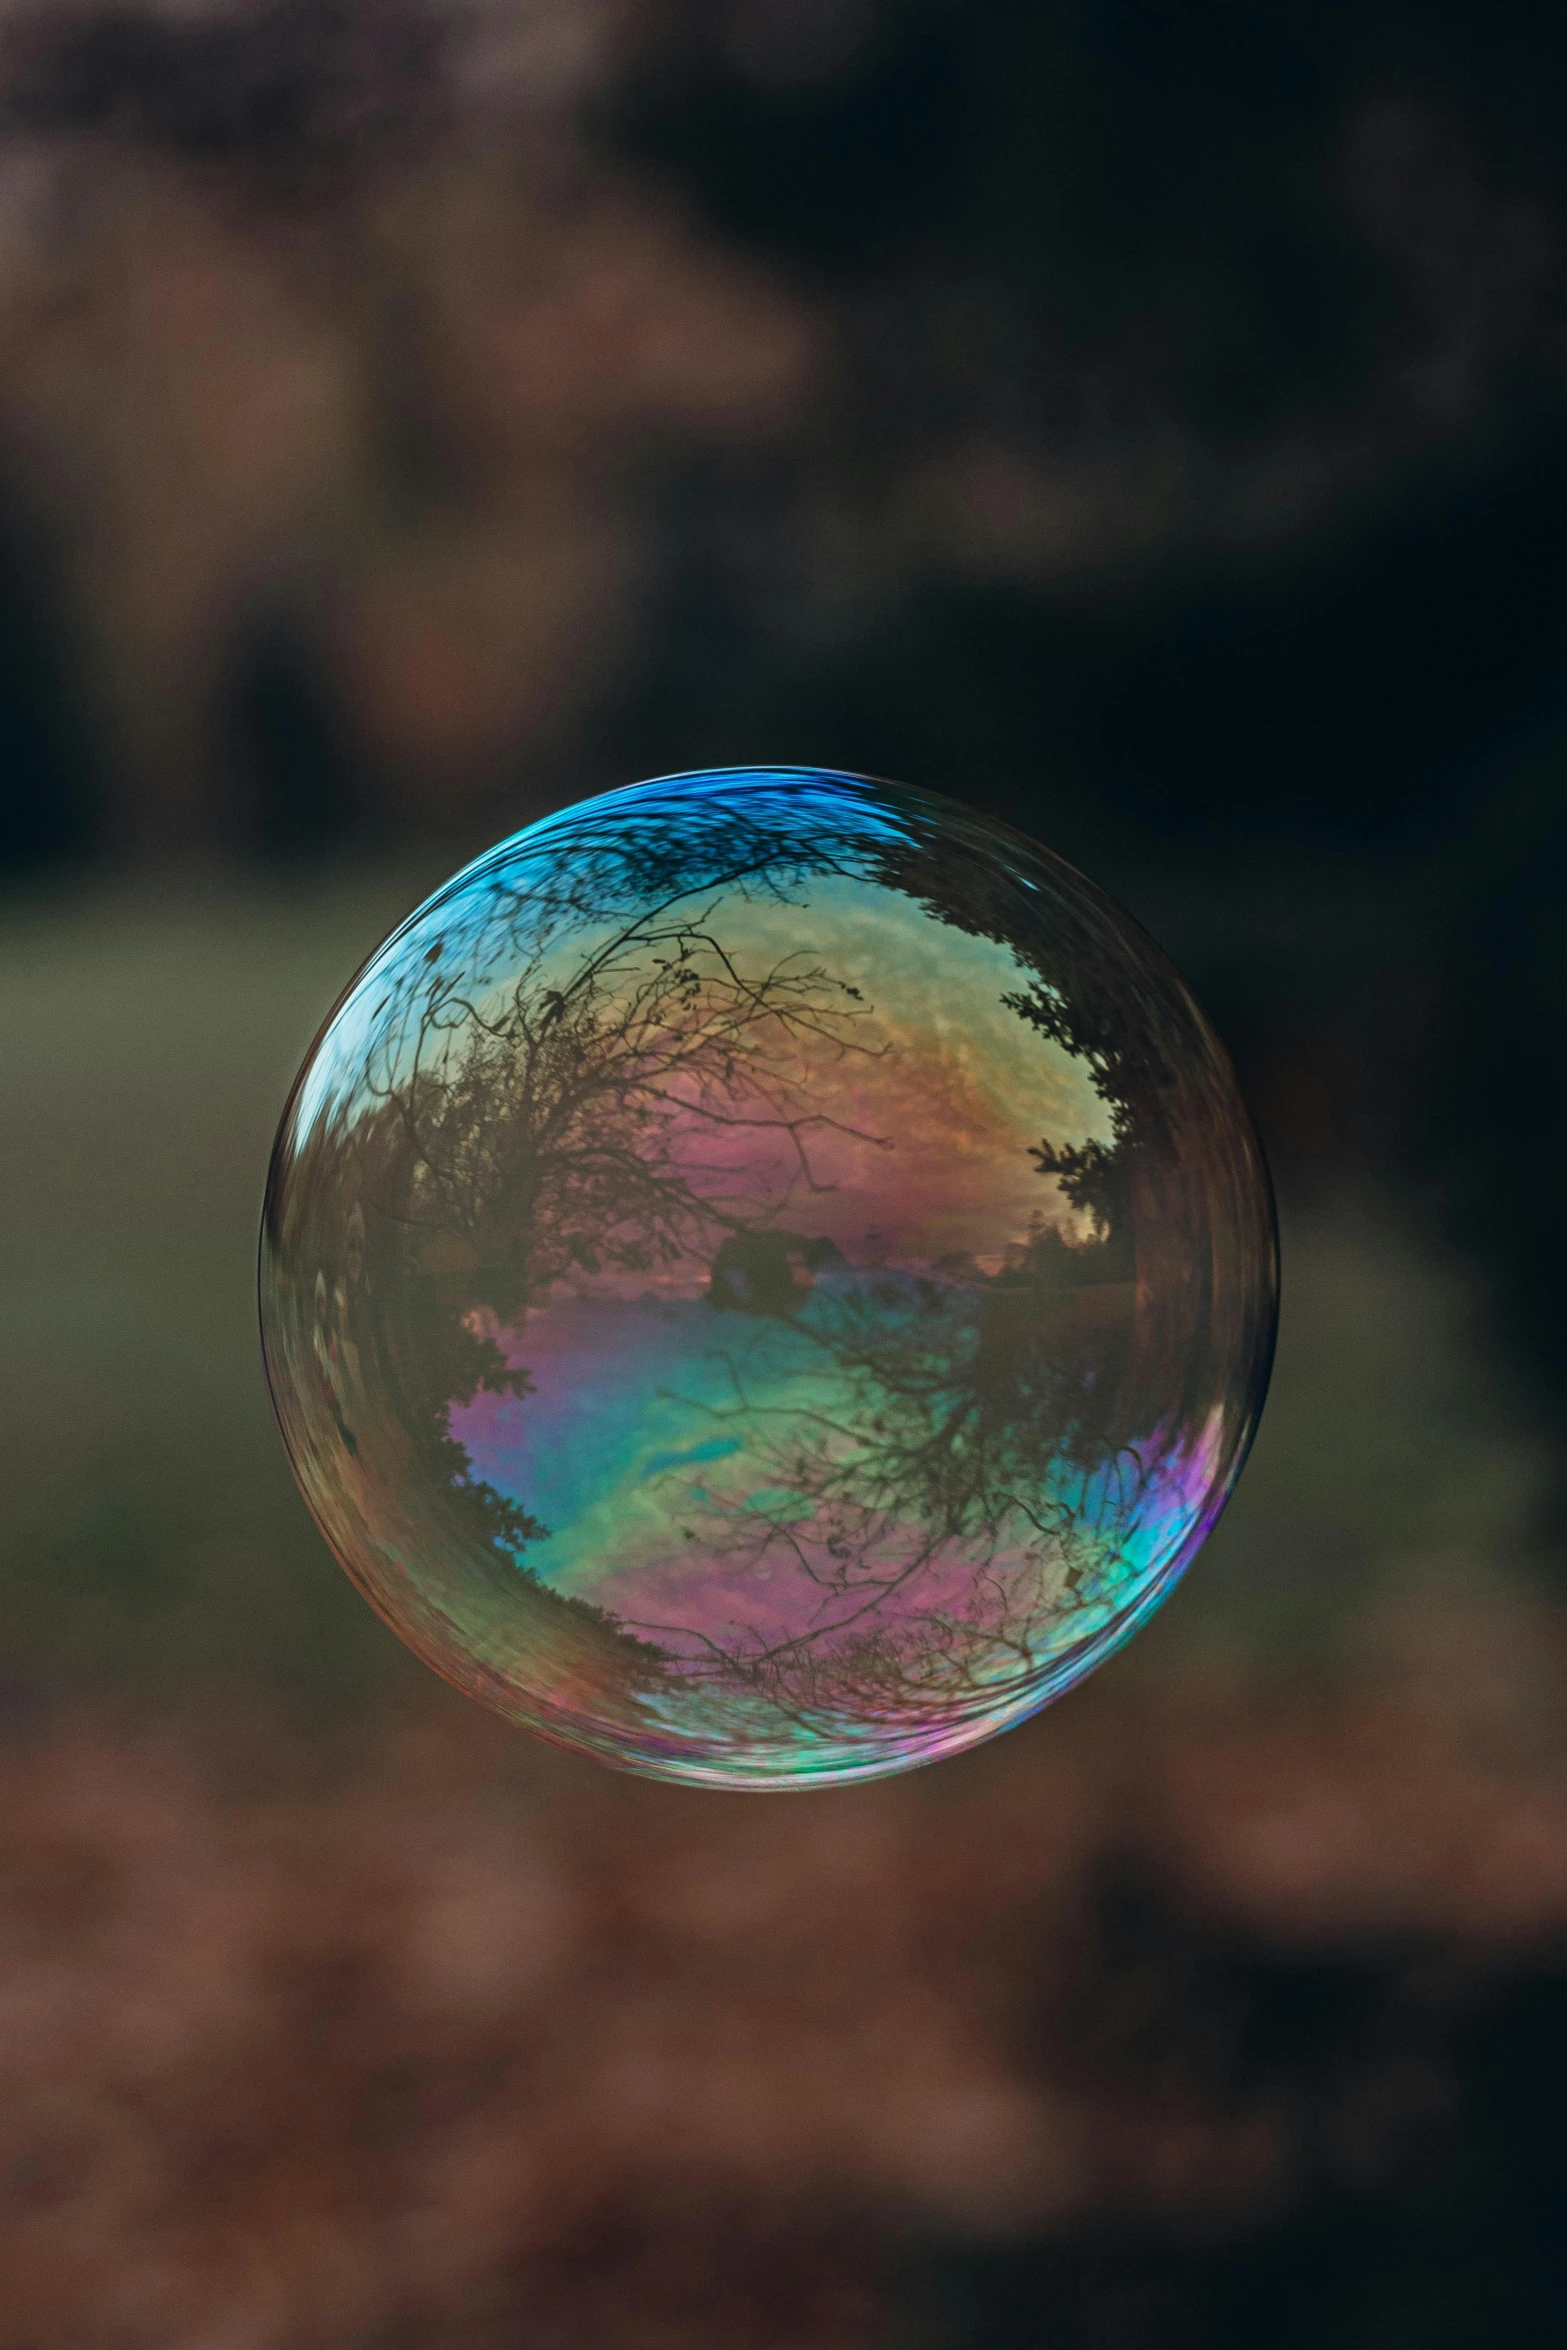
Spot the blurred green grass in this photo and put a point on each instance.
(149, 1526)
(150, 1536)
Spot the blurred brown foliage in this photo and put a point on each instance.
(396, 360)
(329, 312)
(462, 2043)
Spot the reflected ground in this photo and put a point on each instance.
(1208, 1949)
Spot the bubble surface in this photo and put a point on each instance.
(767, 1277)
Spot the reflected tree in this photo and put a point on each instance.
(968, 1473)
(613, 1111)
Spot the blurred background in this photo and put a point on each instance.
(1148, 423)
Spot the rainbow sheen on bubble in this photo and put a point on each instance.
(766, 1277)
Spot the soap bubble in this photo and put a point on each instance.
(766, 1277)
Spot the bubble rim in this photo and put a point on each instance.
(1063, 1673)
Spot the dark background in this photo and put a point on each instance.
(1147, 423)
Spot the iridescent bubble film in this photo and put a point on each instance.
(767, 1277)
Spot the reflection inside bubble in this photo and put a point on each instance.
(766, 1277)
